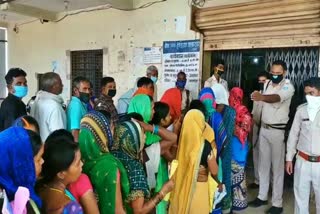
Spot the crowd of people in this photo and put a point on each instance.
(176, 155)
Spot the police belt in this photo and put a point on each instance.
(280, 126)
(308, 157)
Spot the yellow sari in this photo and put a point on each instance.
(194, 132)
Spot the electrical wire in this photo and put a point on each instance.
(102, 7)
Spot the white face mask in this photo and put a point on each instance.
(313, 106)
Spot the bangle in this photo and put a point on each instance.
(161, 195)
(155, 129)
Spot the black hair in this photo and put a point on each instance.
(280, 62)
(59, 153)
(197, 104)
(313, 82)
(106, 114)
(181, 72)
(263, 74)
(106, 80)
(161, 110)
(35, 141)
(76, 81)
(13, 73)
(20, 123)
(144, 81)
(218, 62)
(136, 116)
(60, 133)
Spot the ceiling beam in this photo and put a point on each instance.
(29, 11)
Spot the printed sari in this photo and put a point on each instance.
(99, 164)
(141, 104)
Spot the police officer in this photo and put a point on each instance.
(275, 110)
(304, 138)
(263, 77)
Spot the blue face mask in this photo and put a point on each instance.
(20, 91)
(154, 79)
(181, 84)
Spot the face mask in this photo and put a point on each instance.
(276, 79)
(313, 106)
(261, 86)
(84, 97)
(181, 84)
(20, 91)
(220, 72)
(112, 92)
(154, 79)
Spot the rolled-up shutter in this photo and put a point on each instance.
(259, 24)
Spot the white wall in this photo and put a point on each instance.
(37, 45)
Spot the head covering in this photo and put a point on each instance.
(193, 134)
(99, 126)
(141, 104)
(102, 167)
(243, 123)
(207, 97)
(129, 141)
(213, 117)
(236, 96)
(142, 90)
(17, 165)
(173, 98)
(221, 94)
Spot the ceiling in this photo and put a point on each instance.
(21, 10)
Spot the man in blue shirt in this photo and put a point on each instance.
(78, 105)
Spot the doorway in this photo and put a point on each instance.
(242, 67)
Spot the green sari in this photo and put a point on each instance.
(101, 166)
(141, 104)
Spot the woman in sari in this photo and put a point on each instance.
(239, 149)
(62, 166)
(21, 162)
(196, 164)
(173, 97)
(228, 117)
(162, 143)
(128, 147)
(106, 173)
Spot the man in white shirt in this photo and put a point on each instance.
(304, 141)
(48, 105)
(217, 72)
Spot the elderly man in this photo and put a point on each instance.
(152, 73)
(48, 105)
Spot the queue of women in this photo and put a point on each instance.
(138, 165)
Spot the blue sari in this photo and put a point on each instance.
(17, 164)
(239, 187)
(229, 116)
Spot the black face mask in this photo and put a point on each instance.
(112, 92)
(261, 86)
(84, 97)
(220, 73)
(276, 79)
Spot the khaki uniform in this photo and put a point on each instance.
(304, 136)
(272, 147)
